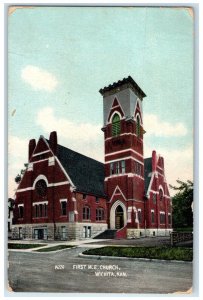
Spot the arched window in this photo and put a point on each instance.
(86, 213)
(116, 125)
(161, 194)
(138, 128)
(99, 214)
(41, 187)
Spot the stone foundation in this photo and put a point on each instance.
(63, 231)
(76, 231)
(26, 231)
(84, 230)
(149, 232)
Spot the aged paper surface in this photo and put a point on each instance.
(64, 65)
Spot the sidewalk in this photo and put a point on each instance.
(49, 242)
(98, 243)
(79, 243)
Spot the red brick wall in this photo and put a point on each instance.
(54, 175)
(163, 205)
(131, 186)
(90, 201)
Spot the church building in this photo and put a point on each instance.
(65, 195)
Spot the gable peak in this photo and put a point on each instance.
(115, 103)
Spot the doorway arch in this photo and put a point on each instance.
(118, 215)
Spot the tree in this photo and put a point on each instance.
(19, 176)
(182, 204)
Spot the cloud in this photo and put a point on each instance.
(154, 126)
(85, 138)
(12, 186)
(17, 147)
(39, 79)
(17, 156)
(66, 128)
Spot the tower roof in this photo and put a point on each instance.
(121, 84)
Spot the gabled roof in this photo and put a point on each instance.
(86, 173)
(147, 171)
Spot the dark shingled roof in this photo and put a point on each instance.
(147, 170)
(86, 173)
(128, 80)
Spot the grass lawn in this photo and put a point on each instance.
(167, 253)
(54, 248)
(24, 246)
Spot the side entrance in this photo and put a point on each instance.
(118, 215)
(40, 234)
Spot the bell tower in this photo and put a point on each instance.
(123, 140)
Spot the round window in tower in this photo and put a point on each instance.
(41, 187)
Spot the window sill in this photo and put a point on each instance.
(40, 217)
(118, 174)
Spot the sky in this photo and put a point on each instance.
(59, 58)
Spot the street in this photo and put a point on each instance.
(66, 272)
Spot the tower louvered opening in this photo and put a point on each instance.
(116, 125)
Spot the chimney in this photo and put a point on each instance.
(53, 141)
(31, 148)
(153, 161)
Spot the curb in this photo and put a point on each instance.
(132, 259)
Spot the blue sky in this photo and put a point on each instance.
(59, 58)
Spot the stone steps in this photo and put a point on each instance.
(107, 234)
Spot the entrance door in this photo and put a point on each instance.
(63, 233)
(39, 234)
(119, 219)
(86, 231)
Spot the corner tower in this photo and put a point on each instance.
(124, 161)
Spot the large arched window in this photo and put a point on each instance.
(138, 127)
(116, 125)
(41, 187)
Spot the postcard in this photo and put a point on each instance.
(100, 149)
